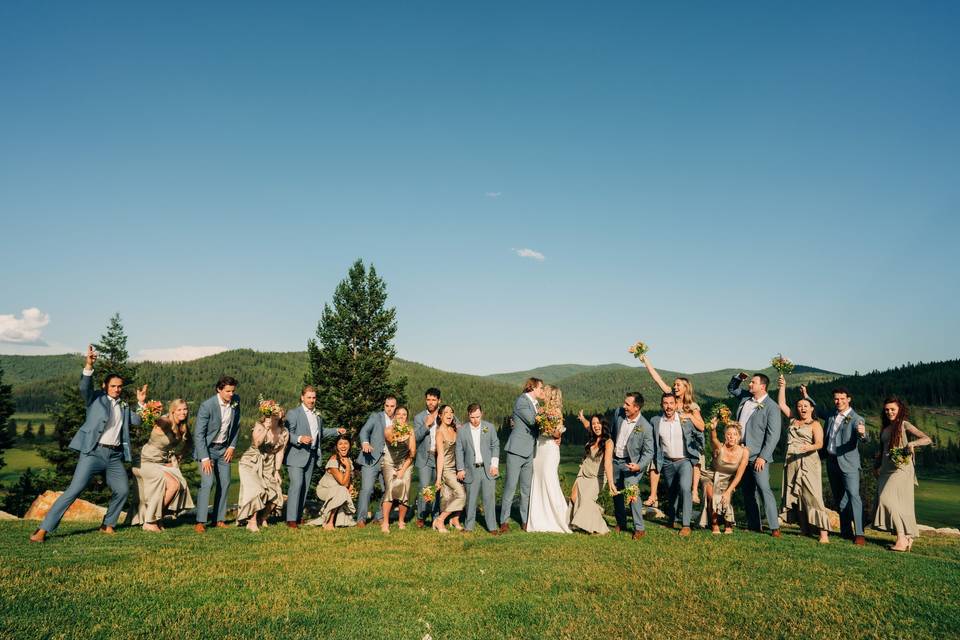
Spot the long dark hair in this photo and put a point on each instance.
(896, 422)
(600, 440)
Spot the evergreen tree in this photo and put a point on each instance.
(22, 494)
(350, 358)
(42, 430)
(113, 358)
(28, 431)
(7, 424)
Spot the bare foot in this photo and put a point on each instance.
(328, 527)
(252, 525)
(107, 530)
(151, 526)
(728, 531)
(439, 526)
(715, 530)
(401, 525)
(385, 527)
(38, 536)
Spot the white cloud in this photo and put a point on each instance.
(493, 194)
(530, 253)
(183, 353)
(26, 329)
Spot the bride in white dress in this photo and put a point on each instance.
(548, 509)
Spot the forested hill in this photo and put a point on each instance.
(933, 384)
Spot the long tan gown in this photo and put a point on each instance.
(160, 457)
(720, 477)
(895, 506)
(452, 491)
(333, 495)
(391, 461)
(587, 514)
(259, 472)
(802, 489)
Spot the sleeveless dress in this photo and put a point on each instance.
(548, 506)
(160, 450)
(802, 492)
(396, 487)
(587, 514)
(895, 508)
(452, 491)
(333, 495)
(722, 475)
(259, 469)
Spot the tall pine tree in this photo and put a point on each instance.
(350, 358)
(7, 428)
(70, 412)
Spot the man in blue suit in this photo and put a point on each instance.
(373, 441)
(478, 459)
(678, 449)
(633, 451)
(425, 432)
(307, 432)
(214, 440)
(103, 442)
(843, 432)
(760, 418)
(521, 447)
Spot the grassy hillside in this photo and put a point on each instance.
(418, 584)
(551, 374)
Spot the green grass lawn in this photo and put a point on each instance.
(361, 584)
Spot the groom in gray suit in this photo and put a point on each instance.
(633, 451)
(478, 458)
(306, 435)
(843, 432)
(425, 433)
(760, 418)
(677, 450)
(373, 441)
(521, 446)
(214, 441)
(103, 442)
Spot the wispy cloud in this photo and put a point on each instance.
(183, 353)
(530, 253)
(26, 329)
(493, 194)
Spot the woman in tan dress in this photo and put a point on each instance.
(452, 492)
(683, 389)
(587, 514)
(160, 484)
(730, 460)
(261, 493)
(895, 509)
(397, 467)
(335, 489)
(802, 488)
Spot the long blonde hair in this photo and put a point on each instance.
(687, 400)
(172, 406)
(552, 398)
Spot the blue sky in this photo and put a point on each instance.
(722, 182)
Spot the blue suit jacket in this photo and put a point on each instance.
(466, 456)
(374, 432)
(692, 441)
(848, 448)
(208, 426)
(421, 433)
(523, 435)
(640, 445)
(99, 412)
(761, 434)
(298, 455)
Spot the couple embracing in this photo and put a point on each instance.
(533, 458)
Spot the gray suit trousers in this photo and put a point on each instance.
(519, 471)
(100, 460)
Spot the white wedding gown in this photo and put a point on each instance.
(548, 506)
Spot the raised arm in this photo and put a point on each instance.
(656, 376)
(782, 396)
(696, 418)
(714, 440)
(584, 421)
(342, 477)
(733, 387)
(86, 379)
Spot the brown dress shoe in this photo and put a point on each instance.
(776, 533)
(361, 524)
(860, 541)
(200, 527)
(639, 534)
(495, 532)
(504, 528)
(684, 532)
(616, 529)
(221, 525)
(292, 524)
(420, 523)
(523, 527)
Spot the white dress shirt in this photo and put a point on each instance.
(226, 417)
(532, 400)
(475, 434)
(111, 433)
(626, 428)
(834, 440)
(749, 407)
(312, 421)
(671, 437)
(387, 425)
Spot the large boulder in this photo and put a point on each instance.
(79, 511)
(7, 516)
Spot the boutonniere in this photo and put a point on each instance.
(759, 406)
(315, 412)
(485, 430)
(638, 429)
(234, 405)
(847, 419)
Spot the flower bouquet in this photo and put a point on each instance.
(429, 493)
(721, 412)
(632, 493)
(900, 456)
(150, 412)
(550, 422)
(639, 349)
(782, 365)
(268, 408)
(401, 431)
